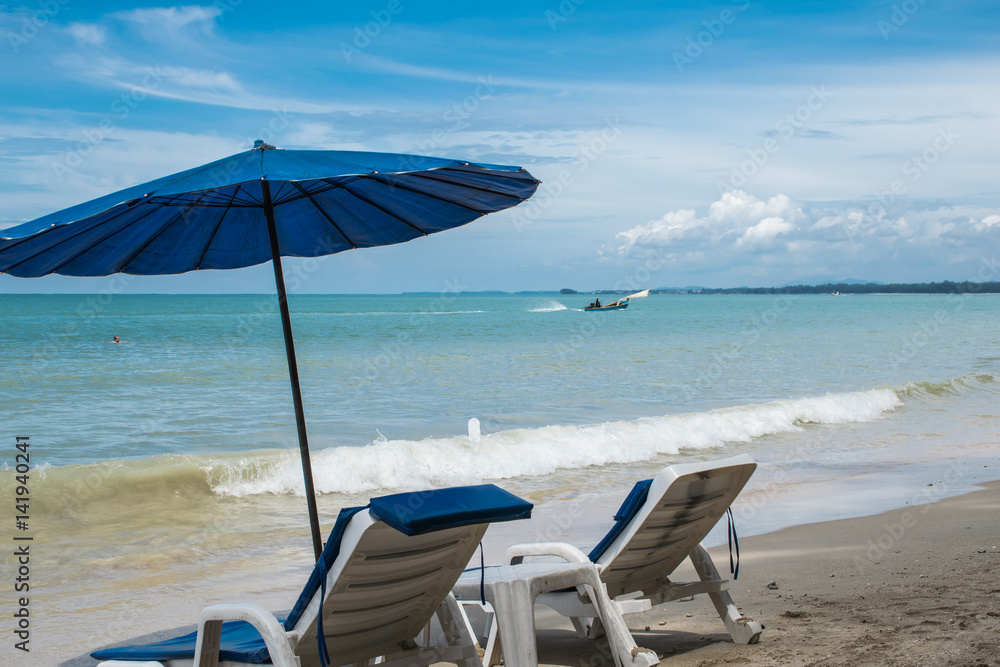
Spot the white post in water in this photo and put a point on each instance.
(474, 433)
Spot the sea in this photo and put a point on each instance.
(164, 471)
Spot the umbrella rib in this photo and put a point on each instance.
(478, 188)
(425, 194)
(158, 234)
(387, 212)
(312, 201)
(218, 225)
(211, 238)
(70, 238)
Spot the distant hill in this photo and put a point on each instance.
(676, 290)
(855, 281)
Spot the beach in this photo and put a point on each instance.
(919, 585)
(165, 477)
(914, 586)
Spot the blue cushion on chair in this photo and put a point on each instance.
(240, 643)
(426, 511)
(636, 499)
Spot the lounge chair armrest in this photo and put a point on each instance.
(568, 552)
(270, 629)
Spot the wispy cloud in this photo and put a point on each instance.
(162, 22)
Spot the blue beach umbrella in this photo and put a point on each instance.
(260, 205)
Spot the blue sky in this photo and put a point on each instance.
(738, 143)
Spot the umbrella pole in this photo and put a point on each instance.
(293, 370)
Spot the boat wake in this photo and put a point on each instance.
(550, 307)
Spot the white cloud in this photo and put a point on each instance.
(737, 219)
(168, 18)
(785, 238)
(765, 231)
(88, 33)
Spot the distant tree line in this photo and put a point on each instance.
(944, 287)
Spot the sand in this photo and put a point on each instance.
(914, 586)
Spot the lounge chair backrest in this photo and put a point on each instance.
(386, 588)
(682, 504)
(383, 585)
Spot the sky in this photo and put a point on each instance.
(678, 144)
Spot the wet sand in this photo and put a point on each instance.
(914, 586)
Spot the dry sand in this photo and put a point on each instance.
(914, 586)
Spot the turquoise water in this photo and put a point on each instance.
(172, 457)
(205, 377)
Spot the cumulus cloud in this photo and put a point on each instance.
(737, 219)
(798, 238)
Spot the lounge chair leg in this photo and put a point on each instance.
(582, 625)
(623, 646)
(742, 629)
(457, 631)
(595, 629)
(515, 607)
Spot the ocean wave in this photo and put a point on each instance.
(951, 386)
(392, 465)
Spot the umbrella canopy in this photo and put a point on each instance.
(260, 205)
(215, 216)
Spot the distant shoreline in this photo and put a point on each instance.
(944, 287)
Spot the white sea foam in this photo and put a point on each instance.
(404, 464)
(550, 307)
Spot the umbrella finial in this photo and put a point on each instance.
(259, 143)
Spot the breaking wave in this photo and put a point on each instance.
(390, 465)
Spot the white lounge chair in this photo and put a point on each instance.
(661, 522)
(385, 571)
